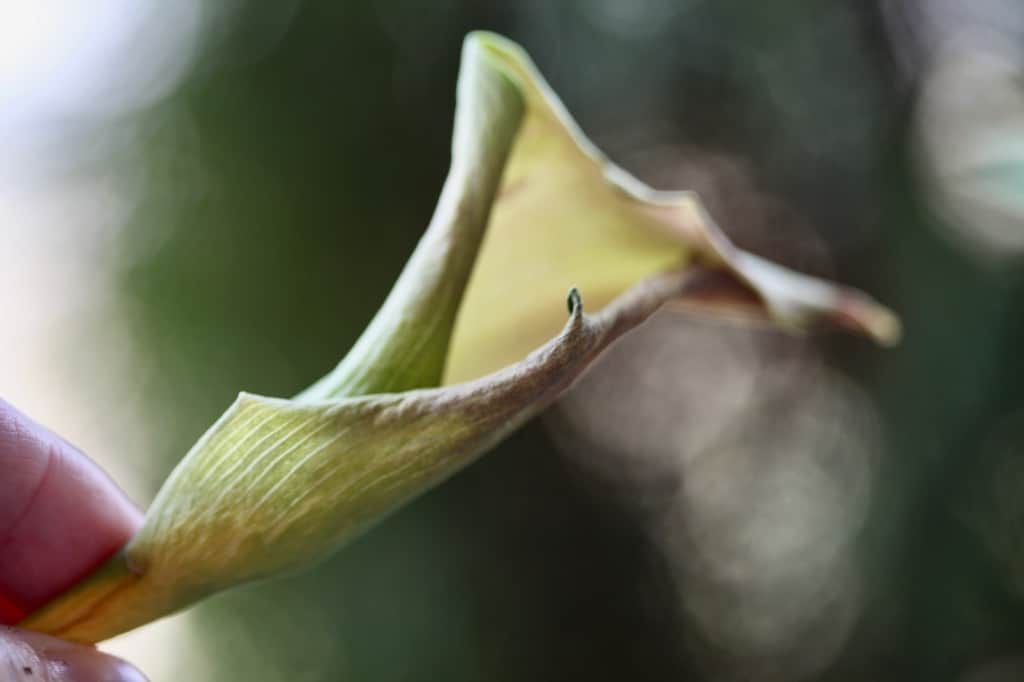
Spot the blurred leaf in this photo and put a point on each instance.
(277, 484)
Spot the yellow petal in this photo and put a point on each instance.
(566, 216)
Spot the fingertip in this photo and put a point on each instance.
(60, 515)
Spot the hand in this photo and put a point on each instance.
(60, 517)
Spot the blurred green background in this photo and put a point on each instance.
(269, 193)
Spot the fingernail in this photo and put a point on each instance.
(32, 657)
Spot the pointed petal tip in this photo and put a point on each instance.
(861, 313)
(886, 327)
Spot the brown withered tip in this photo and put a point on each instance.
(573, 301)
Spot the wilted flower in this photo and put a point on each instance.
(471, 343)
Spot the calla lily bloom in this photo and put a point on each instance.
(471, 342)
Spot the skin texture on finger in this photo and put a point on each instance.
(60, 515)
(32, 657)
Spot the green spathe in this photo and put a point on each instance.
(471, 342)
